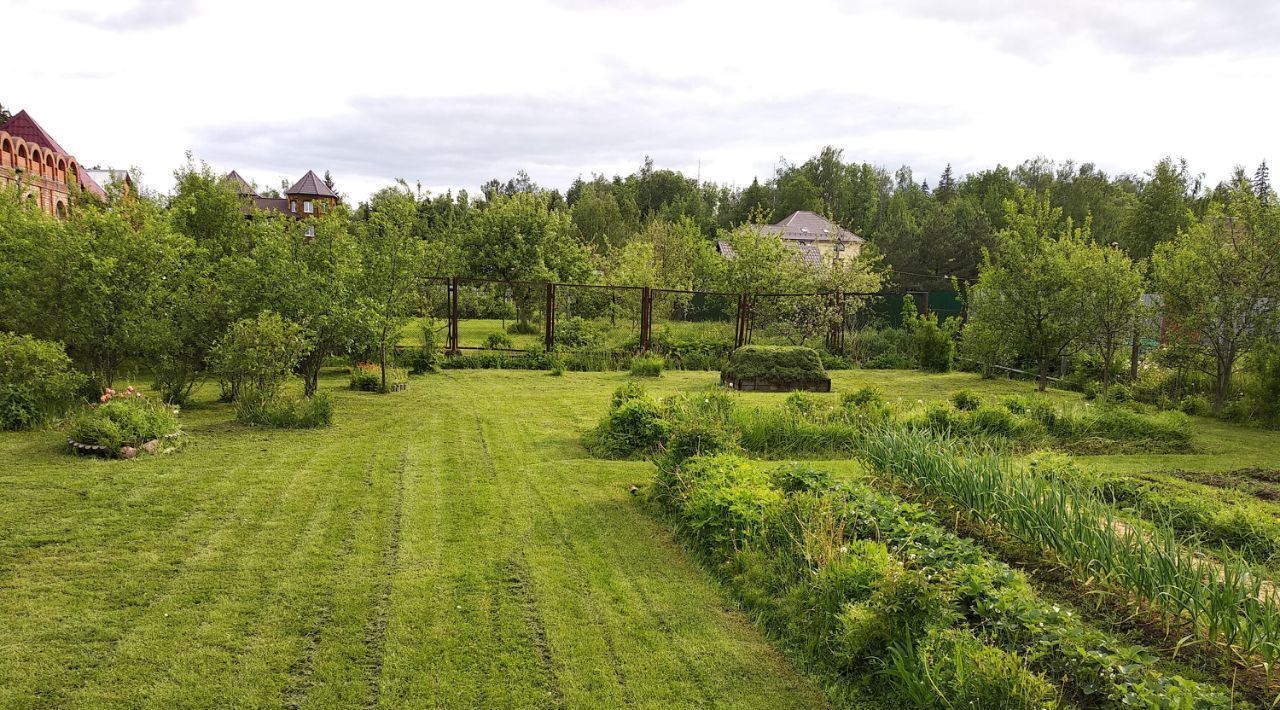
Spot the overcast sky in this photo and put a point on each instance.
(451, 94)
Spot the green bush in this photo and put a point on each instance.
(1196, 405)
(255, 409)
(934, 345)
(647, 366)
(122, 419)
(577, 333)
(366, 377)
(524, 327)
(257, 353)
(797, 477)
(775, 363)
(965, 400)
(498, 341)
(37, 382)
(635, 426)
(862, 397)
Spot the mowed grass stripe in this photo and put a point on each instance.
(262, 568)
(246, 597)
(86, 602)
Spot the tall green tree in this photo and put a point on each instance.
(521, 238)
(392, 262)
(1220, 283)
(1162, 211)
(1031, 288)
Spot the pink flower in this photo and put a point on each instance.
(104, 398)
(129, 388)
(110, 391)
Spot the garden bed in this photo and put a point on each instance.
(766, 368)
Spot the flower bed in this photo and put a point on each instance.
(123, 425)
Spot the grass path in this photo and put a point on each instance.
(450, 546)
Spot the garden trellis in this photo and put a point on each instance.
(622, 318)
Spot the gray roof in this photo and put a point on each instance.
(241, 185)
(804, 225)
(807, 252)
(311, 185)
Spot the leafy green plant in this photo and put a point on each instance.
(37, 382)
(258, 353)
(647, 366)
(255, 409)
(498, 341)
(965, 400)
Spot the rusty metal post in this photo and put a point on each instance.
(452, 345)
(740, 337)
(646, 317)
(551, 317)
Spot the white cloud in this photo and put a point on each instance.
(453, 94)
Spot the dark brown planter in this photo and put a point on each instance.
(764, 384)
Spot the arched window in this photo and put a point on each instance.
(6, 152)
(21, 163)
(61, 210)
(36, 164)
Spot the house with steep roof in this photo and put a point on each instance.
(815, 238)
(47, 173)
(309, 196)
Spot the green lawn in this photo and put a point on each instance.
(449, 546)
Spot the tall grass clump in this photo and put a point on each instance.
(1222, 601)
(647, 366)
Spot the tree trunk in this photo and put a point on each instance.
(1134, 356)
(311, 374)
(1223, 383)
(1042, 380)
(382, 361)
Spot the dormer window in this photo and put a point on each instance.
(307, 208)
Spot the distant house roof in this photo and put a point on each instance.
(803, 225)
(105, 176)
(89, 185)
(801, 230)
(274, 204)
(311, 185)
(807, 252)
(25, 127)
(242, 186)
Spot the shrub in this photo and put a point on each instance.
(888, 348)
(965, 400)
(797, 477)
(367, 377)
(255, 409)
(775, 363)
(498, 341)
(934, 346)
(579, 333)
(985, 345)
(122, 419)
(524, 327)
(650, 366)
(861, 397)
(427, 359)
(36, 381)
(635, 426)
(257, 353)
(1196, 405)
